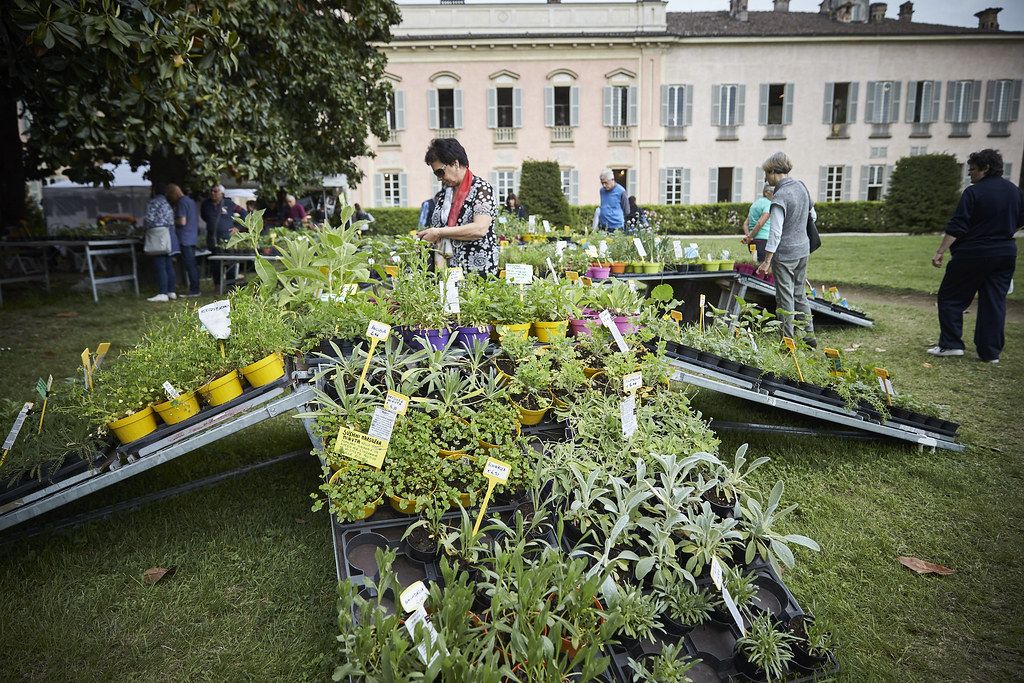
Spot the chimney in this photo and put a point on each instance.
(988, 19)
(738, 9)
(781, 5)
(843, 13)
(876, 12)
(907, 12)
(823, 7)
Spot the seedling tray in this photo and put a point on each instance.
(28, 485)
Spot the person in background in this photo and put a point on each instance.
(250, 205)
(513, 207)
(979, 238)
(788, 248)
(186, 224)
(361, 215)
(159, 214)
(614, 205)
(426, 208)
(464, 210)
(218, 212)
(759, 222)
(295, 213)
(636, 219)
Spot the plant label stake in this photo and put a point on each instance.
(396, 402)
(632, 381)
(361, 447)
(12, 436)
(640, 247)
(560, 246)
(791, 345)
(752, 248)
(531, 224)
(606, 320)
(834, 291)
(677, 316)
(495, 471)
(586, 281)
(547, 225)
(101, 353)
(836, 362)
(519, 273)
(883, 381)
(716, 578)
(592, 251)
(703, 302)
(43, 389)
(413, 597)
(627, 411)
(376, 331)
(572, 275)
(216, 318)
(677, 248)
(450, 289)
(417, 617)
(551, 269)
(87, 365)
(171, 392)
(602, 247)
(383, 424)
(632, 285)
(391, 271)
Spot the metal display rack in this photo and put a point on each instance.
(806, 406)
(162, 446)
(744, 282)
(93, 249)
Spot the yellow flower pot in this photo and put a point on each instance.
(221, 390)
(178, 409)
(521, 329)
(406, 506)
(451, 454)
(590, 372)
(550, 332)
(484, 444)
(135, 426)
(368, 510)
(530, 417)
(712, 265)
(265, 370)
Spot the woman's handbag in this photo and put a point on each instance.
(812, 230)
(157, 241)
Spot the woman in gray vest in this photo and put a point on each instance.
(788, 248)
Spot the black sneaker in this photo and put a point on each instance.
(811, 341)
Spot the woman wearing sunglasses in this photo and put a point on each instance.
(464, 210)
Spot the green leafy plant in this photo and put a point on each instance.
(762, 536)
(767, 648)
(668, 666)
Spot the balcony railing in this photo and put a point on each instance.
(446, 133)
(960, 130)
(839, 130)
(999, 129)
(880, 130)
(561, 134)
(504, 136)
(392, 139)
(774, 131)
(620, 133)
(675, 132)
(921, 129)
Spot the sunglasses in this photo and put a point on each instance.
(439, 173)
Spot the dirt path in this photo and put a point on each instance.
(924, 302)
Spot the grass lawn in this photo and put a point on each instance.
(253, 594)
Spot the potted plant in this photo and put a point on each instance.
(423, 537)
(553, 303)
(671, 665)
(765, 652)
(409, 485)
(529, 389)
(259, 337)
(476, 312)
(353, 491)
(418, 304)
(813, 648)
(638, 614)
(761, 535)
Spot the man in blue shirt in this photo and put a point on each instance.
(186, 223)
(979, 238)
(218, 213)
(614, 203)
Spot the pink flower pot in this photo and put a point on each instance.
(625, 324)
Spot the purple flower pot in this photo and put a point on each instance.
(598, 272)
(470, 336)
(625, 324)
(437, 339)
(578, 327)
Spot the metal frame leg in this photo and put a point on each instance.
(135, 272)
(46, 268)
(220, 283)
(92, 274)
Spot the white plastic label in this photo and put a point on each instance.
(547, 226)
(12, 436)
(885, 384)
(602, 247)
(716, 573)
(551, 269)
(591, 251)
(519, 273)
(691, 251)
(456, 275)
(627, 411)
(451, 294)
(413, 597)
(632, 381)
(378, 330)
(497, 470)
(171, 392)
(640, 247)
(383, 424)
(677, 247)
(607, 321)
(216, 318)
(560, 246)
(532, 224)
(731, 605)
(502, 220)
(396, 402)
(420, 615)
(631, 284)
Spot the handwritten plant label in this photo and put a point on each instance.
(560, 246)
(396, 402)
(640, 249)
(456, 274)
(677, 248)
(547, 226)
(632, 285)
(216, 318)
(12, 436)
(790, 344)
(572, 275)
(413, 597)
(632, 381)
(676, 315)
(361, 447)
(417, 617)
(519, 273)
(586, 281)
(627, 411)
(607, 321)
(531, 225)
(378, 330)
(383, 424)
(450, 294)
(391, 271)
(716, 573)
(592, 251)
(602, 247)
(691, 250)
(496, 470)
(885, 384)
(171, 392)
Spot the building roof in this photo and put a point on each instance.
(770, 24)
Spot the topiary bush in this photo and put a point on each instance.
(394, 221)
(923, 192)
(540, 191)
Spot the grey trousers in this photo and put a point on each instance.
(790, 296)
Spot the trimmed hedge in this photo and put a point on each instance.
(686, 219)
(923, 192)
(540, 191)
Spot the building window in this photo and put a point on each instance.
(874, 182)
(675, 186)
(504, 182)
(571, 185)
(841, 103)
(676, 108)
(562, 103)
(923, 101)
(617, 105)
(883, 102)
(962, 104)
(446, 108)
(879, 152)
(833, 183)
(775, 104)
(727, 105)
(725, 184)
(562, 110)
(1002, 102)
(390, 189)
(504, 107)
(396, 110)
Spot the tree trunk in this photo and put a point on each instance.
(12, 167)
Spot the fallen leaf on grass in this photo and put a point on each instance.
(301, 520)
(926, 365)
(154, 574)
(67, 314)
(924, 567)
(878, 350)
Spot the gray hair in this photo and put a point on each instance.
(607, 174)
(290, 197)
(778, 162)
(218, 187)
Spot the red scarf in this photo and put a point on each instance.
(460, 198)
